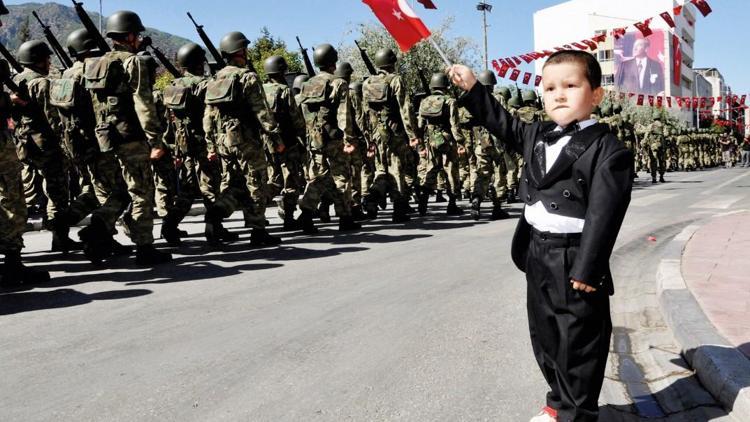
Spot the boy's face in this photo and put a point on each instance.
(567, 93)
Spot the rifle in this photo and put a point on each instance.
(56, 47)
(8, 81)
(423, 81)
(209, 46)
(90, 27)
(148, 42)
(11, 60)
(366, 59)
(306, 58)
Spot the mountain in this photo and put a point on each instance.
(62, 21)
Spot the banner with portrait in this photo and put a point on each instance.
(639, 62)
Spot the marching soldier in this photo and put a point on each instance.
(438, 117)
(655, 141)
(120, 82)
(234, 121)
(393, 126)
(331, 139)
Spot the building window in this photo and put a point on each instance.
(600, 32)
(608, 80)
(605, 55)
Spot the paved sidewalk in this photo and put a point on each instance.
(716, 269)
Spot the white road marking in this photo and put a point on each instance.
(725, 184)
(719, 202)
(651, 199)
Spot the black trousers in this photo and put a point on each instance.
(570, 330)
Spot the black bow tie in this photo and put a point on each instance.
(550, 138)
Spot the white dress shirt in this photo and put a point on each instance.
(536, 214)
(642, 62)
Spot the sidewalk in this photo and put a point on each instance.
(716, 269)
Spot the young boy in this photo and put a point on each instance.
(576, 187)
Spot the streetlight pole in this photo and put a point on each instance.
(484, 8)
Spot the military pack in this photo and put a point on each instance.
(319, 112)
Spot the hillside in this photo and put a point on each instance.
(63, 20)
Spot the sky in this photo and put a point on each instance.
(720, 39)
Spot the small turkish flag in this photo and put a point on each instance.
(679, 101)
(651, 100)
(668, 19)
(702, 6)
(619, 32)
(640, 100)
(503, 70)
(428, 4)
(537, 80)
(515, 74)
(677, 10)
(644, 27)
(526, 78)
(659, 101)
(592, 45)
(400, 21)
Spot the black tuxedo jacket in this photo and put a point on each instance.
(594, 174)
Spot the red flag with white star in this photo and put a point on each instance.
(702, 6)
(428, 4)
(400, 21)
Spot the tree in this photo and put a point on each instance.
(422, 57)
(265, 46)
(24, 31)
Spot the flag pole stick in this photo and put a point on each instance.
(440, 52)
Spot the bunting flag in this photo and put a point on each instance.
(640, 100)
(400, 21)
(514, 74)
(703, 102)
(677, 10)
(668, 19)
(503, 70)
(651, 100)
(644, 27)
(537, 80)
(679, 101)
(526, 78)
(702, 6)
(428, 4)
(599, 38)
(517, 60)
(659, 101)
(590, 44)
(619, 32)
(580, 46)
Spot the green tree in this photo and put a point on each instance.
(422, 57)
(163, 80)
(24, 31)
(267, 45)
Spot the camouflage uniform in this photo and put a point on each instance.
(655, 142)
(12, 206)
(235, 117)
(363, 165)
(392, 124)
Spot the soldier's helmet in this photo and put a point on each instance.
(32, 52)
(124, 22)
(3, 10)
(529, 97)
(504, 92)
(344, 70)
(80, 42)
(385, 57)
(356, 86)
(514, 101)
(233, 42)
(191, 55)
(606, 109)
(487, 78)
(298, 81)
(439, 80)
(275, 65)
(325, 56)
(616, 109)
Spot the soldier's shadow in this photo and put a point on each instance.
(18, 302)
(687, 397)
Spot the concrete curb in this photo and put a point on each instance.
(720, 367)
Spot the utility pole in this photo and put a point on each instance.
(485, 7)
(100, 16)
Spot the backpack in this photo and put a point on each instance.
(224, 91)
(432, 109)
(103, 75)
(320, 120)
(62, 93)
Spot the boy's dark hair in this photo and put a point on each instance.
(585, 60)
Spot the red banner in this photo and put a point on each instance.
(677, 65)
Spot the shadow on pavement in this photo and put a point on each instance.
(14, 303)
(684, 399)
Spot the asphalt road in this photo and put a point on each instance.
(419, 322)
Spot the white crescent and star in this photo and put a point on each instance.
(406, 9)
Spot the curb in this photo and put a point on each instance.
(35, 226)
(721, 368)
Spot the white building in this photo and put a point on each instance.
(718, 88)
(575, 20)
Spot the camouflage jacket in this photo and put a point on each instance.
(236, 111)
(389, 107)
(36, 122)
(439, 118)
(288, 115)
(184, 100)
(327, 110)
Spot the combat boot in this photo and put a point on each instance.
(661, 179)
(305, 221)
(16, 274)
(61, 241)
(452, 208)
(324, 213)
(347, 224)
(147, 255)
(290, 224)
(226, 236)
(370, 206)
(476, 207)
(439, 196)
(498, 213)
(400, 214)
(213, 228)
(118, 249)
(357, 213)
(170, 232)
(98, 243)
(261, 237)
(424, 197)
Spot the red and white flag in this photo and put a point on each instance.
(400, 21)
(526, 78)
(702, 6)
(640, 100)
(428, 4)
(515, 74)
(668, 19)
(537, 80)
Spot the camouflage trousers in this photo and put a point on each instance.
(488, 162)
(287, 175)
(657, 161)
(12, 204)
(435, 160)
(391, 171)
(135, 165)
(175, 188)
(110, 189)
(359, 183)
(466, 168)
(329, 178)
(33, 190)
(50, 165)
(244, 183)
